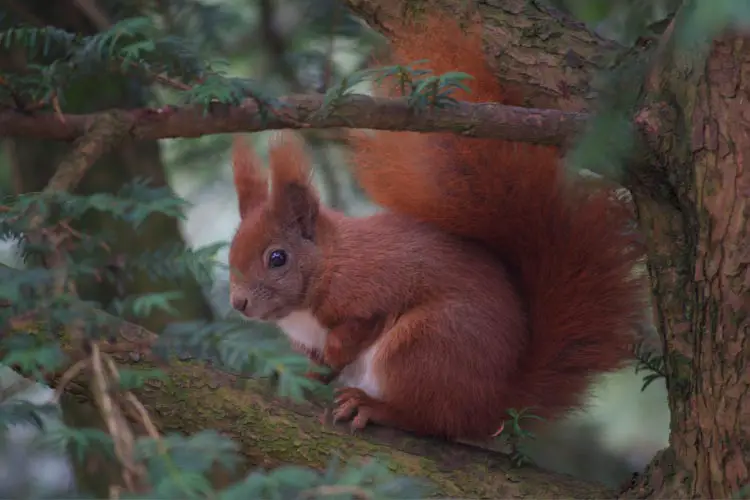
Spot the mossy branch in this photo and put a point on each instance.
(275, 432)
(272, 432)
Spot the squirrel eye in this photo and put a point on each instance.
(277, 258)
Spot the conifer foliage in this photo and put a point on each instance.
(176, 53)
(51, 335)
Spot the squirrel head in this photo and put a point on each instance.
(277, 248)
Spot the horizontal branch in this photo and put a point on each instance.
(306, 111)
(273, 431)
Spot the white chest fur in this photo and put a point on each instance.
(303, 328)
(361, 373)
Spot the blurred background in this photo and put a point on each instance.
(285, 46)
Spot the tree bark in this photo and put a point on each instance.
(693, 218)
(699, 267)
(542, 54)
(692, 210)
(540, 126)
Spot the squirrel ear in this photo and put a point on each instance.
(249, 180)
(294, 198)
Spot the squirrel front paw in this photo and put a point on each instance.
(351, 400)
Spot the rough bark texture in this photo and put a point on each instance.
(699, 266)
(693, 212)
(307, 111)
(542, 54)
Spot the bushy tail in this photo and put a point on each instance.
(566, 244)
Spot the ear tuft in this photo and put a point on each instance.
(289, 160)
(295, 200)
(249, 180)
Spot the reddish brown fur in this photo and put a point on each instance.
(268, 223)
(565, 244)
(461, 342)
(250, 182)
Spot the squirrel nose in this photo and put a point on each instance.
(239, 303)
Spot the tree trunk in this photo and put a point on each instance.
(692, 212)
(35, 161)
(518, 36)
(698, 264)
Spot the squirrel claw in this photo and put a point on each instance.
(348, 401)
(361, 420)
(344, 410)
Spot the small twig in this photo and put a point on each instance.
(102, 134)
(55, 101)
(137, 405)
(69, 375)
(157, 77)
(116, 424)
(71, 231)
(151, 429)
(145, 419)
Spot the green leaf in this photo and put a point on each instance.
(144, 305)
(251, 487)
(48, 357)
(295, 476)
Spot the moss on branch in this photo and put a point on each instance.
(273, 432)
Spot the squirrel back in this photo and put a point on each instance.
(566, 245)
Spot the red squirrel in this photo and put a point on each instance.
(489, 282)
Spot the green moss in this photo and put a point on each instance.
(272, 435)
(272, 432)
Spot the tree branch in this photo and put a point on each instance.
(273, 432)
(306, 111)
(103, 132)
(542, 56)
